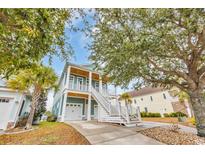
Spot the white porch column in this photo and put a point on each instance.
(64, 106)
(89, 97)
(67, 78)
(100, 84)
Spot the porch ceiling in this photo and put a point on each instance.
(71, 94)
(84, 73)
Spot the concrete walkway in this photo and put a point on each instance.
(109, 134)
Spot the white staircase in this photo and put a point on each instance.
(114, 113)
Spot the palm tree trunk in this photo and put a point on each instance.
(198, 104)
(35, 97)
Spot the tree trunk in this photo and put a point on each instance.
(35, 97)
(198, 104)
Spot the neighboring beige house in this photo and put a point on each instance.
(150, 99)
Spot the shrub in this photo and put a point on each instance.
(181, 114)
(175, 114)
(166, 115)
(52, 118)
(193, 121)
(22, 120)
(150, 114)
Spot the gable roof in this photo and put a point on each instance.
(145, 91)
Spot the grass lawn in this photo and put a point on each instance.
(46, 133)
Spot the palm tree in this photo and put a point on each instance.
(35, 80)
(127, 98)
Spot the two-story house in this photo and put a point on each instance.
(149, 99)
(83, 95)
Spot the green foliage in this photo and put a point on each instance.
(150, 46)
(150, 114)
(48, 113)
(22, 121)
(182, 96)
(28, 35)
(52, 118)
(126, 97)
(175, 114)
(193, 121)
(42, 77)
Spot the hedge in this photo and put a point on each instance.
(175, 114)
(150, 114)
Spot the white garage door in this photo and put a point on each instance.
(4, 112)
(73, 112)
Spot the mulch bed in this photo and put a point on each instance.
(47, 133)
(167, 136)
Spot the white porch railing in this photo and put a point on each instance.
(78, 87)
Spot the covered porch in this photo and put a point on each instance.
(79, 107)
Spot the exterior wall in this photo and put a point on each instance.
(157, 104)
(11, 110)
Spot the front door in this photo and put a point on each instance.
(73, 111)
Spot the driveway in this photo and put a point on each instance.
(110, 134)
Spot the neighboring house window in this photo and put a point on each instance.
(141, 99)
(146, 110)
(4, 100)
(151, 98)
(164, 96)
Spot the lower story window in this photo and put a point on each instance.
(146, 110)
(4, 100)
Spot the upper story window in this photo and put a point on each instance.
(135, 101)
(4, 100)
(164, 96)
(151, 98)
(141, 99)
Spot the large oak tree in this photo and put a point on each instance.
(163, 47)
(28, 35)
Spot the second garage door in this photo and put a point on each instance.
(73, 111)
